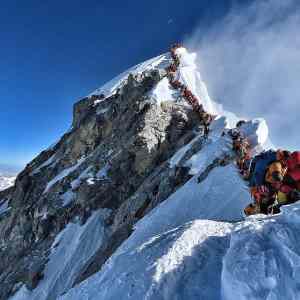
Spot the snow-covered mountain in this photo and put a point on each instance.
(136, 202)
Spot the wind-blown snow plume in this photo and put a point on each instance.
(250, 61)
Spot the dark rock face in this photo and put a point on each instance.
(121, 145)
(34, 274)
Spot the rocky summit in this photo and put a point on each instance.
(138, 201)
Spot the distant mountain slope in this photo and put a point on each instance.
(6, 181)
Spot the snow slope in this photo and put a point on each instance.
(72, 248)
(6, 181)
(108, 89)
(157, 269)
(263, 260)
(63, 174)
(4, 207)
(150, 264)
(254, 259)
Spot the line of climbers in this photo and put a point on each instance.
(171, 70)
(273, 176)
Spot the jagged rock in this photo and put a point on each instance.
(126, 135)
(81, 109)
(44, 227)
(115, 157)
(34, 275)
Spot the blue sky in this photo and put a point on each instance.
(55, 52)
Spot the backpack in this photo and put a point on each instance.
(259, 166)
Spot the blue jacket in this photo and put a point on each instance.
(259, 167)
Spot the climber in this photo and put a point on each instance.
(274, 177)
(277, 170)
(283, 155)
(176, 61)
(259, 166)
(172, 68)
(275, 174)
(260, 192)
(244, 164)
(264, 202)
(206, 120)
(206, 130)
(201, 109)
(252, 209)
(175, 47)
(241, 147)
(293, 165)
(280, 180)
(198, 108)
(279, 177)
(263, 198)
(286, 194)
(289, 190)
(176, 84)
(187, 93)
(234, 133)
(173, 55)
(171, 77)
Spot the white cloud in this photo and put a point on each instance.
(251, 63)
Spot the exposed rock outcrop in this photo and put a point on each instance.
(114, 157)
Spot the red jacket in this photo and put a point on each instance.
(293, 164)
